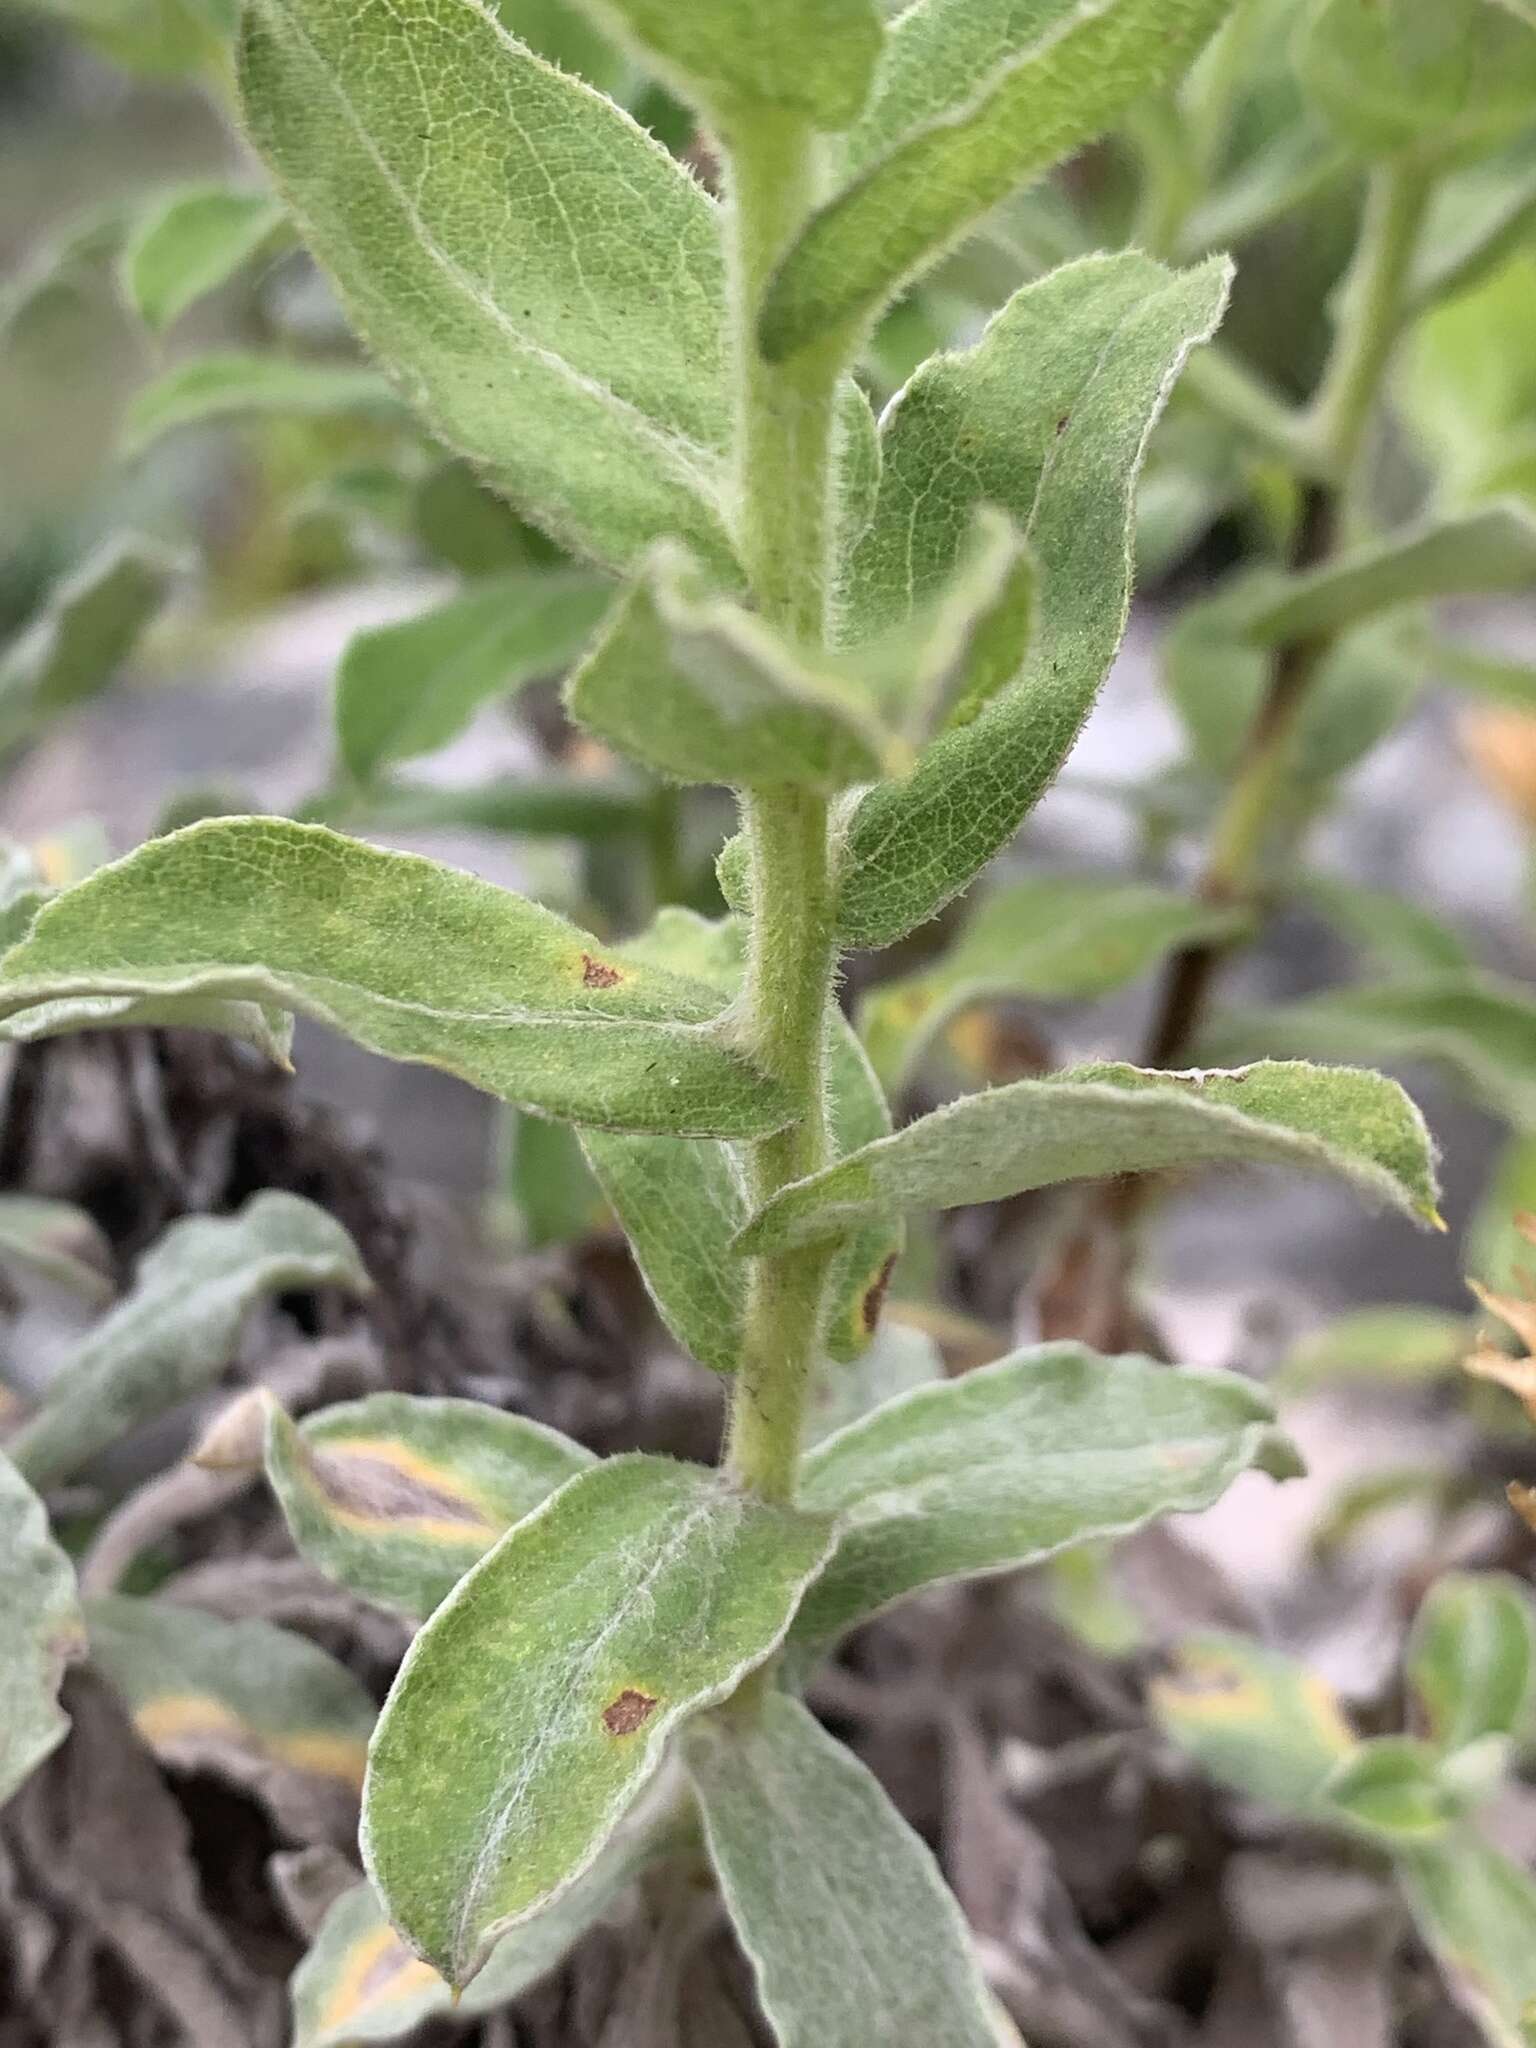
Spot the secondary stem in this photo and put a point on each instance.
(784, 439)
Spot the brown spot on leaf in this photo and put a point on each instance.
(874, 1295)
(598, 974)
(628, 1712)
(1063, 423)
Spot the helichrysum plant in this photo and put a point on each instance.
(884, 636)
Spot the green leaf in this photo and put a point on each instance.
(1471, 1659)
(545, 282)
(1050, 938)
(682, 1203)
(75, 646)
(469, 528)
(154, 38)
(1255, 1720)
(1476, 219)
(1477, 1913)
(397, 1495)
(1496, 1251)
(177, 1329)
(360, 1982)
(1378, 1347)
(535, 1705)
(58, 1243)
(258, 1702)
(1388, 1788)
(1108, 1119)
(411, 959)
(268, 1030)
(209, 390)
(1481, 1031)
(1491, 549)
(1395, 74)
(189, 242)
(701, 690)
(897, 1359)
(407, 689)
(1016, 1460)
(546, 1180)
(852, 1934)
(970, 102)
(41, 1631)
(1051, 412)
(813, 56)
(1401, 935)
(554, 805)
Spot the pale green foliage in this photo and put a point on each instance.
(1388, 1788)
(1471, 1660)
(849, 1926)
(973, 97)
(208, 390)
(1118, 1119)
(41, 1631)
(897, 1359)
(1477, 1911)
(1047, 418)
(1046, 937)
(409, 958)
(813, 56)
(535, 1705)
(359, 1981)
(1402, 1346)
(1255, 1719)
(259, 1699)
(407, 689)
(1480, 1030)
(701, 690)
(1402, 936)
(56, 1242)
(540, 276)
(1396, 73)
(396, 1496)
(188, 243)
(87, 629)
(174, 1333)
(1011, 1462)
(1467, 385)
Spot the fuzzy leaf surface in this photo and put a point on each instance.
(41, 1631)
(1001, 1467)
(1458, 75)
(535, 1705)
(682, 1202)
(257, 1699)
(1047, 419)
(1255, 1719)
(852, 1933)
(1471, 1659)
(1476, 1911)
(543, 280)
(702, 690)
(970, 101)
(407, 689)
(188, 243)
(175, 1332)
(1096, 1120)
(84, 633)
(397, 1495)
(412, 959)
(1052, 938)
(209, 390)
(814, 56)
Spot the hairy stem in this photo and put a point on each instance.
(784, 440)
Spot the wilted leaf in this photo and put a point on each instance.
(210, 389)
(177, 1329)
(1050, 411)
(970, 101)
(1016, 1460)
(1481, 1031)
(85, 632)
(57, 1242)
(536, 1703)
(258, 1704)
(412, 959)
(702, 690)
(545, 282)
(406, 689)
(1049, 937)
(851, 1931)
(1459, 74)
(41, 1631)
(398, 1495)
(1107, 1119)
(189, 242)
(1477, 1912)
(1256, 1720)
(1471, 1660)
